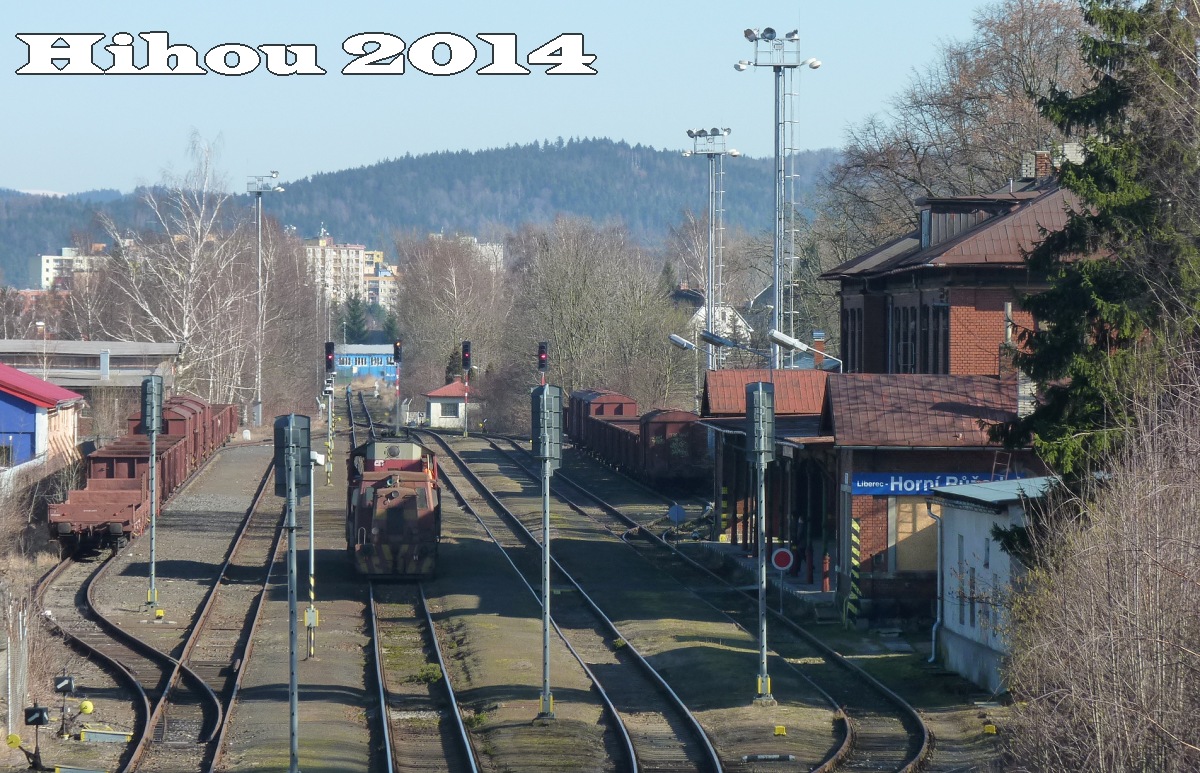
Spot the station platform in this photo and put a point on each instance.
(808, 599)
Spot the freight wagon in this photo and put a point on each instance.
(113, 507)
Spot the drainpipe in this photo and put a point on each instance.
(938, 622)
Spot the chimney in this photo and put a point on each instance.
(818, 337)
(1041, 164)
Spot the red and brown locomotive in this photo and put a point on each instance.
(393, 510)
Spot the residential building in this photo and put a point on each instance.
(58, 271)
(338, 267)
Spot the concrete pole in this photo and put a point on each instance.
(152, 593)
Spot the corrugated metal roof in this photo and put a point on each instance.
(1000, 492)
(917, 411)
(33, 390)
(796, 391)
(90, 348)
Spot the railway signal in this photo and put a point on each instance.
(466, 356)
(330, 366)
(397, 353)
(543, 356)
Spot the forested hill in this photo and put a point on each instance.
(484, 192)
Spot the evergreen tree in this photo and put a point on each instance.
(354, 320)
(1125, 266)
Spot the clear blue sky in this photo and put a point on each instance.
(662, 67)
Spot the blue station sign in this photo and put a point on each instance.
(893, 484)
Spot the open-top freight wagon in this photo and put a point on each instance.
(113, 507)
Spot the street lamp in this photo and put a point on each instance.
(41, 326)
(782, 56)
(709, 337)
(711, 143)
(258, 185)
(687, 345)
(792, 344)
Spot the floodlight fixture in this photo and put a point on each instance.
(793, 35)
(735, 152)
(682, 342)
(813, 63)
(692, 133)
(751, 34)
(687, 153)
(741, 65)
(768, 33)
(716, 340)
(786, 341)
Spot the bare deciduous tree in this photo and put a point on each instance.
(1105, 664)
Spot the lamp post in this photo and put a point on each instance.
(782, 56)
(41, 326)
(258, 185)
(711, 143)
(687, 345)
(787, 342)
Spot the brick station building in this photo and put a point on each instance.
(928, 322)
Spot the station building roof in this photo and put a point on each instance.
(892, 410)
(998, 494)
(797, 392)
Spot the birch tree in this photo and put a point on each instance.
(189, 279)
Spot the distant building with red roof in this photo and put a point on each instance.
(448, 405)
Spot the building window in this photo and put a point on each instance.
(6, 455)
(971, 592)
(904, 339)
(852, 339)
(450, 410)
(962, 596)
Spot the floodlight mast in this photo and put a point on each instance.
(782, 55)
(711, 144)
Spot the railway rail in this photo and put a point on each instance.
(663, 735)
(182, 687)
(886, 733)
(423, 724)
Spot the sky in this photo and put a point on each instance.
(660, 69)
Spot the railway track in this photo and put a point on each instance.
(663, 733)
(887, 733)
(176, 708)
(423, 725)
